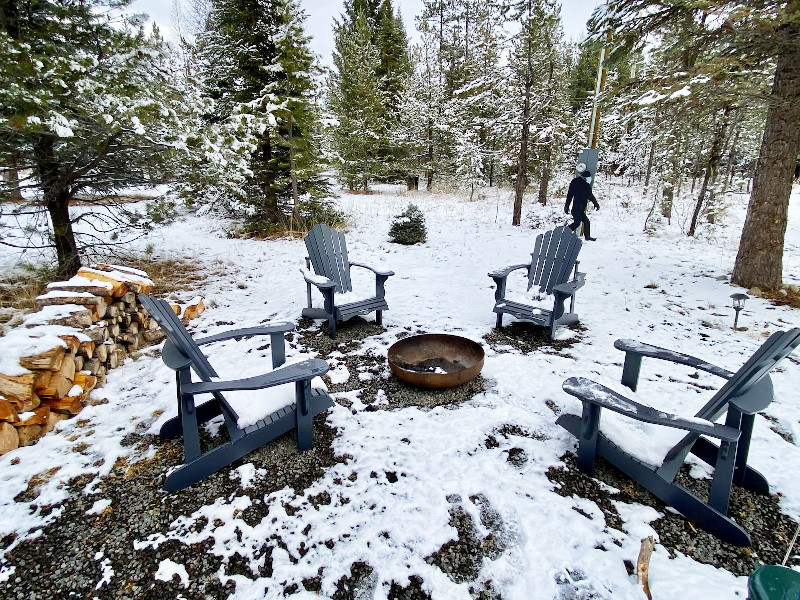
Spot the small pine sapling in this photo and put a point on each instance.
(408, 227)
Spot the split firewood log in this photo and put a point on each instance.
(86, 349)
(72, 342)
(194, 308)
(29, 434)
(9, 439)
(36, 417)
(18, 388)
(118, 287)
(8, 413)
(48, 360)
(53, 418)
(71, 405)
(58, 387)
(86, 381)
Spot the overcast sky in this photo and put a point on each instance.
(321, 13)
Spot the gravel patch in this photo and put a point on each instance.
(67, 559)
(770, 530)
(527, 338)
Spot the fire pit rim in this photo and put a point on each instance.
(437, 380)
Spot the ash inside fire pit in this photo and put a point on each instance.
(436, 360)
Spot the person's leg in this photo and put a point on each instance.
(576, 221)
(586, 231)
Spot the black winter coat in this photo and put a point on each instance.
(580, 192)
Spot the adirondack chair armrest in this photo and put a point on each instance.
(570, 287)
(307, 369)
(588, 391)
(320, 281)
(278, 327)
(506, 271)
(634, 351)
(379, 272)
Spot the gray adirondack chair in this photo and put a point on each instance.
(182, 354)
(553, 260)
(746, 392)
(327, 253)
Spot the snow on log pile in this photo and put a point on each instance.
(85, 326)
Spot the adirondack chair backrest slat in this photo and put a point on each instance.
(553, 258)
(327, 250)
(176, 333)
(779, 345)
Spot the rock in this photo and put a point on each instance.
(755, 291)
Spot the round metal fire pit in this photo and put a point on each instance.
(435, 360)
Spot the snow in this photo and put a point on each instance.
(167, 569)
(663, 289)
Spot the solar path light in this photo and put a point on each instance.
(738, 305)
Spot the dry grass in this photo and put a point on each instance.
(175, 274)
(19, 289)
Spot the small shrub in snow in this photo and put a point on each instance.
(409, 227)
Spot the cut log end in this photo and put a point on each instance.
(643, 565)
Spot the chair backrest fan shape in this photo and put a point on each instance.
(327, 250)
(752, 373)
(553, 258)
(176, 333)
(780, 345)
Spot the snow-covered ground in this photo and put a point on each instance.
(665, 289)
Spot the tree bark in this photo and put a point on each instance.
(56, 199)
(12, 177)
(295, 194)
(759, 261)
(522, 159)
(649, 165)
(547, 165)
(714, 156)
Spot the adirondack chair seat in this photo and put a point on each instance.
(651, 445)
(327, 251)
(252, 406)
(255, 409)
(553, 260)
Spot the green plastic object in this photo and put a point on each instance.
(772, 582)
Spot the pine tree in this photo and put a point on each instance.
(87, 105)
(256, 151)
(354, 99)
(739, 38)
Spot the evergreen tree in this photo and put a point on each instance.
(87, 105)
(354, 99)
(741, 38)
(256, 152)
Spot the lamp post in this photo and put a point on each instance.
(738, 305)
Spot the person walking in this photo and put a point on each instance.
(579, 194)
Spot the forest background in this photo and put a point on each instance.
(239, 116)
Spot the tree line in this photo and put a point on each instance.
(239, 116)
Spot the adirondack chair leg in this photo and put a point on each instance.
(630, 370)
(720, 493)
(191, 437)
(278, 349)
(332, 327)
(744, 475)
(499, 323)
(587, 441)
(743, 449)
(305, 425)
(379, 317)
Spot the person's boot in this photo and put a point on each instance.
(586, 234)
(591, 239)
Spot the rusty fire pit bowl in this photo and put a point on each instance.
(436, 360)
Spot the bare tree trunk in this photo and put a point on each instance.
(714, 156)
(12, 177)
(731, 157)
(649, 165)
(522, 159)
(293, 174)
(56, 200)
(547, 166)
(429, 170)
(759, 261)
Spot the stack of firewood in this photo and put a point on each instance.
(85, 327)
